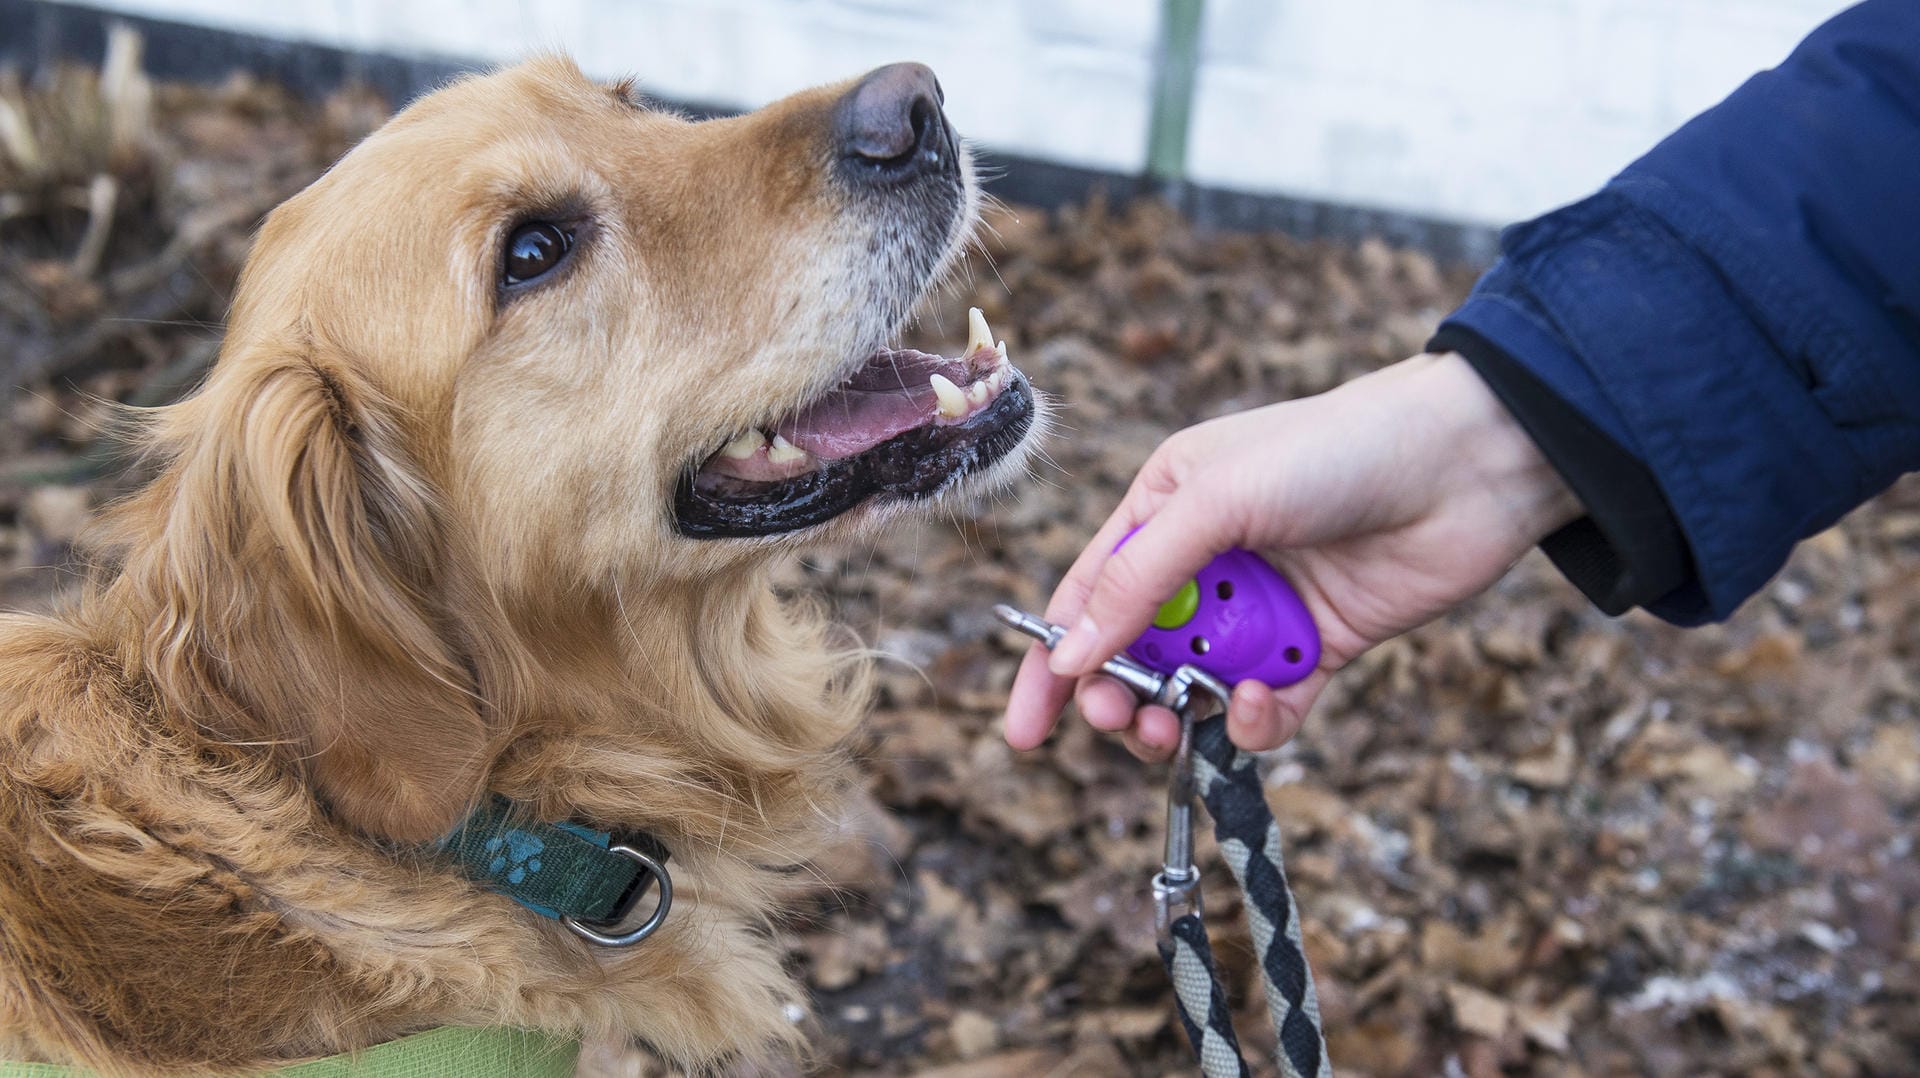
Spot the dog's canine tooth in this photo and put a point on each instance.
(784, 452)
(978, 335)
(953, 402)
(744, 446)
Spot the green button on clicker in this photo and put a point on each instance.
(1180, 609)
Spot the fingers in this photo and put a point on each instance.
(1033, 710)
(1255, 720)
(1261, 718)
(1151, 488)
(1106, 704)
(1038, 694)
(1129, 586)
(1258, 717)
(1154, 736)
(1150, 732)
(1042, 687)
(1070, 597)
(1033, 705)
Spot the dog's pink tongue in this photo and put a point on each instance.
(851, 421)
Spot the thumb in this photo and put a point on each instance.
(1164, 554)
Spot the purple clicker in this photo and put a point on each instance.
(1237, 619)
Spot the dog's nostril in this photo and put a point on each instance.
(891, 120)
(922, 116)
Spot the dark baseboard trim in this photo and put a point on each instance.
(37, 33)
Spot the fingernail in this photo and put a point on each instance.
(1071, 654)
(1249, 700)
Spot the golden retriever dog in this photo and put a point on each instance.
(515, 406)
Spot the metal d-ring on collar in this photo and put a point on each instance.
(588, 880)
(661, 879)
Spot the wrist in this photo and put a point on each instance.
(1499, 460)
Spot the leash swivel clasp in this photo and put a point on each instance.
(1191, 693)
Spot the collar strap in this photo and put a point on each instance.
(562, 870)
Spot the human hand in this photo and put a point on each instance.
(1385, 502)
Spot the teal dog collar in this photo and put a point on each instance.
(577, 876)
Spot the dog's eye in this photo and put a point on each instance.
(535, 248)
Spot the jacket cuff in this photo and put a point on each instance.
(1628, 550)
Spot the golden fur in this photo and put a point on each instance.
(410, 543)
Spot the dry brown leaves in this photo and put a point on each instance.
(1526, 839)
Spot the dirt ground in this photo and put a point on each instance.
(1528, 839)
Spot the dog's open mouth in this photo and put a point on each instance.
(907, 424)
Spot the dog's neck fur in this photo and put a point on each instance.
(605, 706)
(631, 692)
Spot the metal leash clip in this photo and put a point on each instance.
(1185, 692)
(1176, 887)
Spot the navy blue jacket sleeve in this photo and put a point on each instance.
(1736, 315)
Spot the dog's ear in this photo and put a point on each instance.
(302, 605)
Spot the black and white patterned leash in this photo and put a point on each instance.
(1227, 782)
(1249, 840)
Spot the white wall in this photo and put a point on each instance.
(1475, 110)
(1067, 80)
(1478, 111)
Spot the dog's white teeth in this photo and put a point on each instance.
(744, 446)
(978, 335)
(1000, 351)
(977, 393)
(784, 452)
(953, 402)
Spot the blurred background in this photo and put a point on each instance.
(1527, 839)
(1478, 112)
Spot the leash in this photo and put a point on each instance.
(1267, 635)
(1249, 839)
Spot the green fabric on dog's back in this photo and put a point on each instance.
(439, 1053)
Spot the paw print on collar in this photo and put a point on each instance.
(517, 849)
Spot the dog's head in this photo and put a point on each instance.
(571, 343)
(619, 333)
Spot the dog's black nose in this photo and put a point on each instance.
(890, 126)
